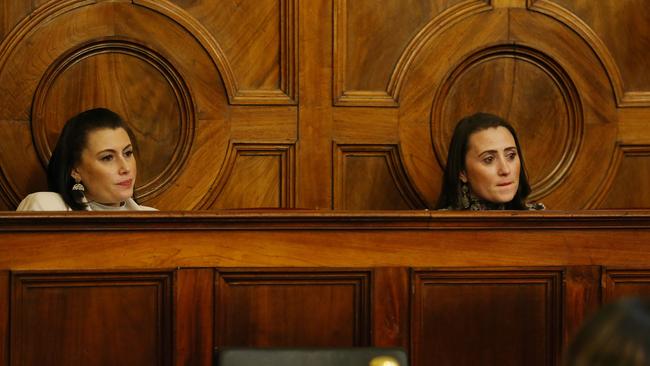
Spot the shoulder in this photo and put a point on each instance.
(43, 201)
(134, 206)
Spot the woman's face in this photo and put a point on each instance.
(492, 165)
(107, 168)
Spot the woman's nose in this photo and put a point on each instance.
(124, 166)
(504, 167)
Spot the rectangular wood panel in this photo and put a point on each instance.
(91, 319)
(309, 308)
(625, 282)
(486, 317)
(194, 316)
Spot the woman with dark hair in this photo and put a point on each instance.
(485, 167)
(92, 168)
(619, 334)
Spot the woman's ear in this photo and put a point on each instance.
(75, 175)
(462, 176)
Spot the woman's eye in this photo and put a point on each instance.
(128, 153)
(511, 156)
(107, 158)
(488, 159)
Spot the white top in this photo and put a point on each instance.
(51, 201)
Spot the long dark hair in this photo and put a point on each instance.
(450, 193)
(71, 142)
(619, 334)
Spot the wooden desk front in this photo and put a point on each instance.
(165, 288)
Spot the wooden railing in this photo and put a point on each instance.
(452, 288)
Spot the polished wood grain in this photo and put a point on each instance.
(626, 40)
(390, 305)
(625, 282)
(194, 316)
(453, 310)
(5, 289)
(91, 327)
(293, 308)
(196, 78)
(473, 283)
(582, 298)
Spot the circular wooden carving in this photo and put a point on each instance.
(529, 90)
(151, 62)
(132, 80)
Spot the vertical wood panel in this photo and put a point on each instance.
(625, 282)
(194, 320)
(265, 308)
(257, 175)
(101, 319)
(5, 296)
(371, 177)
(315, 110)
(582, 298)
(486, 317)
(188, 58)
(390, 307)
(628, 186)
(623, 27)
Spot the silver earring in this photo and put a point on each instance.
(78, 187)
(464, 195)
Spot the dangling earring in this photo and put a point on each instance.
(464, 195)
(78, 187)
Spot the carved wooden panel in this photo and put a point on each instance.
(293, 308)
(606, 25)
(371, 177)
(256, 175)
(496, 317)
(628, 185)
(550, 88)
(370, 42)
(625, 282)
(194, 77)
(264, 71)
(91, 319)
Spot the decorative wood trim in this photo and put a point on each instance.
(170, 74)
(299, 220)
(575, 129)
(194, 316)
(286, 153)
(287, 93)
(393, 159)
(41, 14)
(623, 98)
(621, 151)
(5, 295)
(10, 42)
(390, 97)
(391, 290)
(162, 281)
(582, 298)
(613, 276)
(8, 194)
(551, 278)
(358, 278)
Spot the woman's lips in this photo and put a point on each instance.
(504, 184)
(126, 183)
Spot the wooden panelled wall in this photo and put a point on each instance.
(342, 104)
(170, 288)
